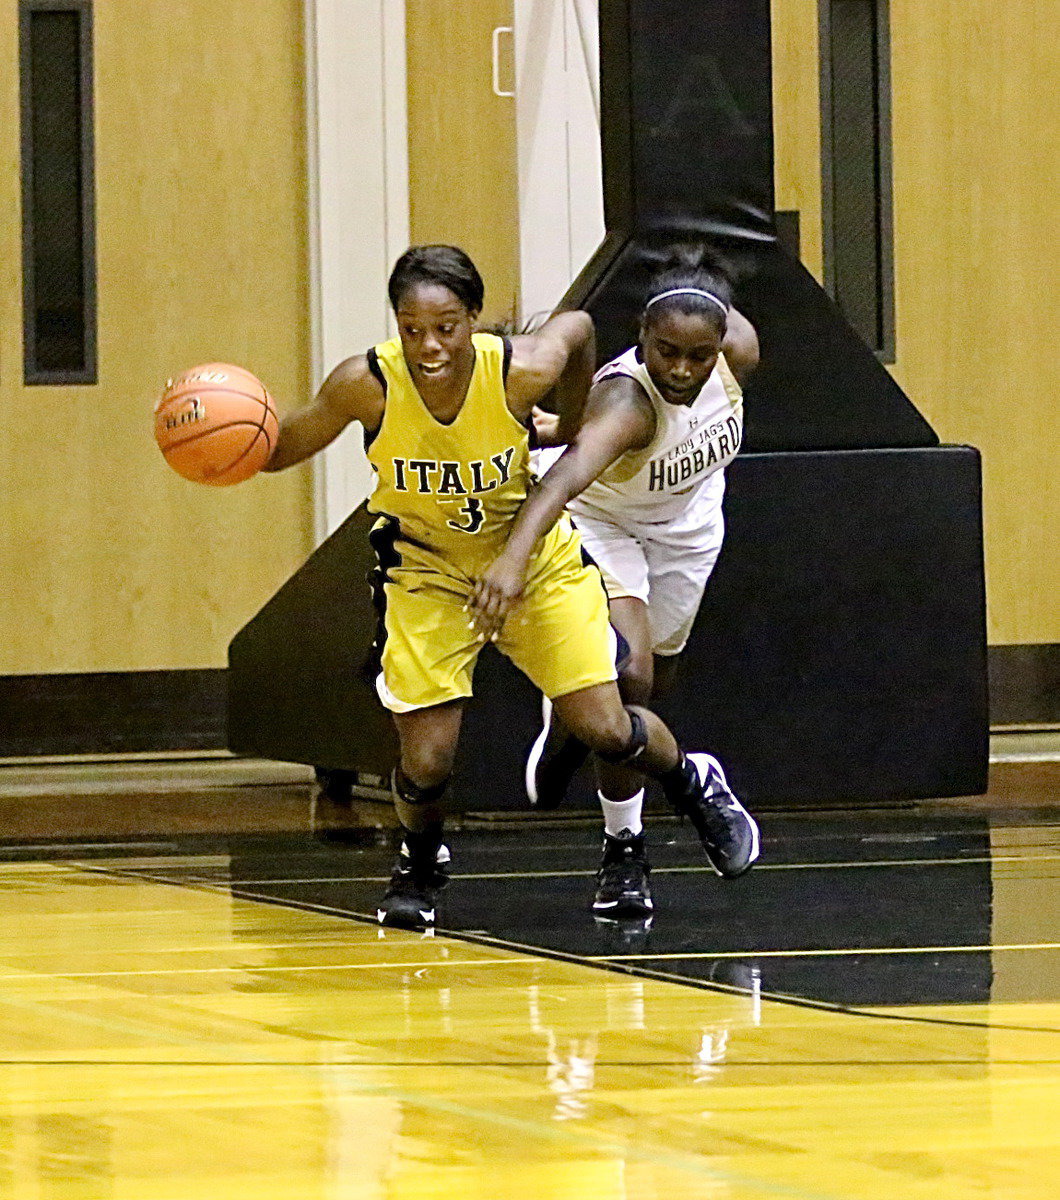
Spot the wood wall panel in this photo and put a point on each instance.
(797, 122)
(463, 183)
(112, 562)
(975, 120)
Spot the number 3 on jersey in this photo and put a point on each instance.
(473, 511)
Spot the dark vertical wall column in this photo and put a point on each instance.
(58, 192)
(856, 166)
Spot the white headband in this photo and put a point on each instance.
(689, 291)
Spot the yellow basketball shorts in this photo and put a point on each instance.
(557, 634)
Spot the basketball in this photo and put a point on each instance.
(216, 424)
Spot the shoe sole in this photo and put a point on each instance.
(537, 750)
(697, 759)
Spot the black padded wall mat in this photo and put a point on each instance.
(297, 690)
(840, 651)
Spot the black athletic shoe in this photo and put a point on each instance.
(553, 761)
(410, 901)
(622, 888)
(727, 830)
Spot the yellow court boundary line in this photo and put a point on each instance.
(268, 969)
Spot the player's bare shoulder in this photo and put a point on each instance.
(350, 393)
(620, 400)
(354, 392)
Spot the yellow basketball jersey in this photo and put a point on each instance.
(453, 489)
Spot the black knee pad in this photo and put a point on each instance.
(412, 793)
(638, 739)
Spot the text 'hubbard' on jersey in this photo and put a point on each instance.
(434, 477)
(688, 460)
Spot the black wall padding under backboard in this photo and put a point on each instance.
(296, 687)
(818, 386)
(840, 651)
(838, 655)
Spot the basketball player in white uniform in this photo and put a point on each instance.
(644, 480)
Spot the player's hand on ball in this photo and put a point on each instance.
(494, 595)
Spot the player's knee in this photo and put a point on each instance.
(636, 678)
(601, 732)
(631, 746)
(620, 738)
(428, 764)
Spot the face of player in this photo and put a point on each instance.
(435, 328)
(680, 350)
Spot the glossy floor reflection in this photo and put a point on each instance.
(873, 1013)
(851, 909)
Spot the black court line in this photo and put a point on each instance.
(611, 965)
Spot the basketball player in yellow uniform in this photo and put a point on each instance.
(446, 412)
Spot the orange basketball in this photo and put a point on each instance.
(216, 424)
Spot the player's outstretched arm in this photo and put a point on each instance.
(558, 360)
(350, 393)
(618, 418)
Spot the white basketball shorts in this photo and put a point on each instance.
(665, 567)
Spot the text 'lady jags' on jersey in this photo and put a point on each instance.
(434, 477)
(692, 458)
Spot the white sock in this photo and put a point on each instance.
(622, 815)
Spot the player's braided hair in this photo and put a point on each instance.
(445, 265)
(692, 279)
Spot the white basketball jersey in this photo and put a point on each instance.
(681, 471)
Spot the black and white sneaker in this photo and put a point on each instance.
(410, 900)
(622, 888)
(553, 761)
(727, 830)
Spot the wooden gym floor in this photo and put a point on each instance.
(196, 1004)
